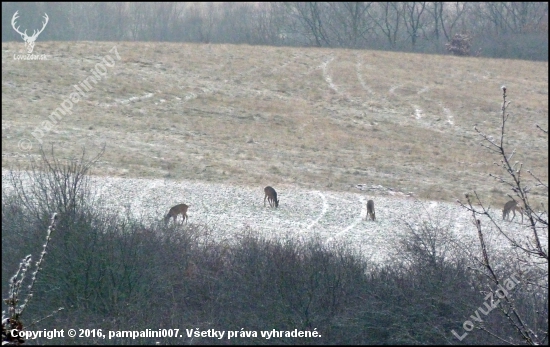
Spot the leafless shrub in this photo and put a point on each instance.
(53, 184)
(529, 261)
(460, 44)
(12, 324)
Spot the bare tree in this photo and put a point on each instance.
(157, 21)
(350, 24)
(523, 16)
(235, 22)
(262, 29)
(78, 15)
(162, 20)
(510, 17)
(110, 20)
(452, 17)
(209, 18)
(388, 18)
(138, 26)
(414, 21)
(445, 17)
(529, 265)
(505, 29)
(266, 23)
(310, 16)
(435, 9)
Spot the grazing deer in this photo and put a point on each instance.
(370, 210)
(174, 211)
(271, 196)
(513, 207)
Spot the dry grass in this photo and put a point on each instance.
(269, 115)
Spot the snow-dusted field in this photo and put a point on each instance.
(331, 216)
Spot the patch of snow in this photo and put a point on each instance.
(334, 217)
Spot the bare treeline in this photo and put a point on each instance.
(497, 29)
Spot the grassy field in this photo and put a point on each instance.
(315, 118)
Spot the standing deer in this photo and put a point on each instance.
(513, 207)
(174, 211)
(271, 196)
(370, 210)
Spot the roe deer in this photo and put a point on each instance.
(370, 210)
(513, 207)
(174, 211)
(271, 196)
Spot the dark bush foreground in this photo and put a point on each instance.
(113, 273)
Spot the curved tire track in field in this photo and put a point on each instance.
(352, 225)
(449, 114)
(360, 77)
(323, 212)
(326, 75)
